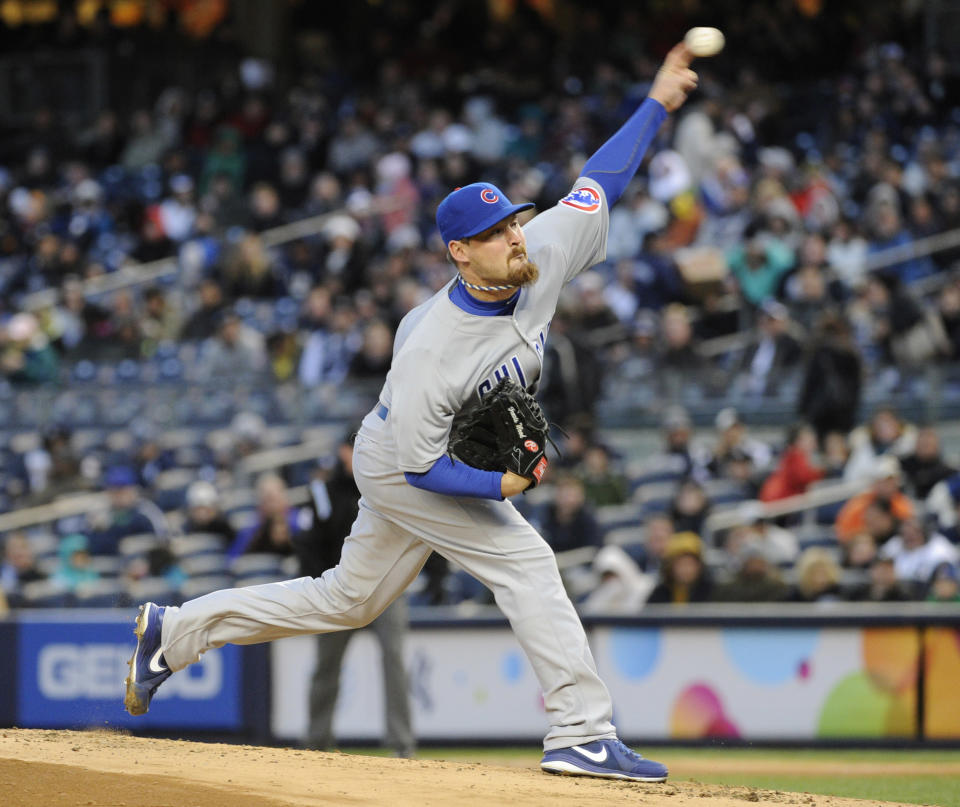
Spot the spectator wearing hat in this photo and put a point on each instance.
(204, 513)
(795, 470)
(917, 552)
(345, 259)
(885, 488)
(178, 211)
(128, 513)
(680, 455)
(772, 361)
(683, 576)
(26, 355)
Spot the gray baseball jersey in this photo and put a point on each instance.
(446, 358)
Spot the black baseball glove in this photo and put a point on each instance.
(506, 431)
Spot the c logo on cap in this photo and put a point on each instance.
(489, 196)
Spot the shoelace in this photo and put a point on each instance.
(629, 753)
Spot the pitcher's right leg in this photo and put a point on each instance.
(378, 562)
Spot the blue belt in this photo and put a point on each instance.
(381, 411)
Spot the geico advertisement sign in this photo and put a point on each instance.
(95, 671)
(70, 674)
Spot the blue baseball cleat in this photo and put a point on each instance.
(607, 759)
(147, 667)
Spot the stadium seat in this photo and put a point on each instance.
(621, 536)
(241, 517)
(197, 543)
(461, 586)
(259, 564)
(612, 516)
(652, 477)
(198, 586)
(257, 580)
(43, 543)
(127, 372)
(137, 545)
(827, 513)
(104, 593)
(84, 371)
(153, 589)
(203, 565)
(193, 456)
(170, 488)
(107, 566)
(46, 594)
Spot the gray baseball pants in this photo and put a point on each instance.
(397, 528)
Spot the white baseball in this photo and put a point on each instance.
(704, 41)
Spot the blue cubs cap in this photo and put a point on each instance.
(472, 209)
(120, 476)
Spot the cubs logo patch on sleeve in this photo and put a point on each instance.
(585, 199)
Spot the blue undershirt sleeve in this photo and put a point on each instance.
(613, 165)
(454, 478)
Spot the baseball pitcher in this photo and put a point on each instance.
(482, 335)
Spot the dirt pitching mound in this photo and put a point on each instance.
(107, 769)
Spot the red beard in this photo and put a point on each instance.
(524, 275)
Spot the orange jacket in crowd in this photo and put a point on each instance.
(850, 518)
(793, 475)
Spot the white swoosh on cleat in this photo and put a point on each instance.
(156, 667)
(594, 756)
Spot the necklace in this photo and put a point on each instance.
(484, 288)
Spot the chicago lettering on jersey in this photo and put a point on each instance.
(511, 368)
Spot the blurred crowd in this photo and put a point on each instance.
(749, 261)
(765, 212)
(627, 532)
